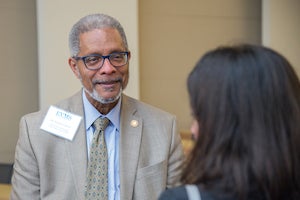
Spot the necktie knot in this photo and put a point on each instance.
(101, 123)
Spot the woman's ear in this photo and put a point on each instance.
(195, 129)
(74, 67)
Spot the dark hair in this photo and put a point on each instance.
(246, 99)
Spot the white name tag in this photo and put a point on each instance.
(61, 123)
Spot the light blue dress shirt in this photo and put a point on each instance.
(112, 136)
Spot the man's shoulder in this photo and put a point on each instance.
(66, 104)
(145, 108)
(70, 102)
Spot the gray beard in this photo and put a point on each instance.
(102, 100)
(97, 97)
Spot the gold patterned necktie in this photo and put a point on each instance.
(97, 181)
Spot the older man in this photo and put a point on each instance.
(65, 152)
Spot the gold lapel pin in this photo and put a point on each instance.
(134, 123)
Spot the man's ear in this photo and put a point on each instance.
(129, 55)
(74, 67)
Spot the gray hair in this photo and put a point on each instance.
(92, 22)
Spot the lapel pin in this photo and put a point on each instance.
(134, 123)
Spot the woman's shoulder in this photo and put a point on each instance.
(177, 193)
(180, 193)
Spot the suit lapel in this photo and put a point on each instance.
(77, 149)
(130, 140)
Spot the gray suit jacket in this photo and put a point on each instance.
(50, 167)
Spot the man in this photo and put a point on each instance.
(53, 153)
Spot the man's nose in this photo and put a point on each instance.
(107, 67)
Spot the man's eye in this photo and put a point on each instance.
(116, 57)
(92, 59)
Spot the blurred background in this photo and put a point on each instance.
(166, 38)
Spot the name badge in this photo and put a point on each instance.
(61, 123)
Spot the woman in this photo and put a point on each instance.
(245, 102)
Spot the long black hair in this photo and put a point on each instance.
(246, 99)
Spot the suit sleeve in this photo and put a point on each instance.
(176, 158)
(25, 180)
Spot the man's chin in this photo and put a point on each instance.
(105, 99)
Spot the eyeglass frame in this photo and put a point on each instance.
(103, 57)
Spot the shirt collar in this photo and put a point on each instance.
(93, 113)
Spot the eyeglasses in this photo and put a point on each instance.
(96, 61)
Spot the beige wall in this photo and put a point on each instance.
(281, 28)
(18, 76)
(174, 34)
(55, 18)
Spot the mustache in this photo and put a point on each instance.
(107, 81)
